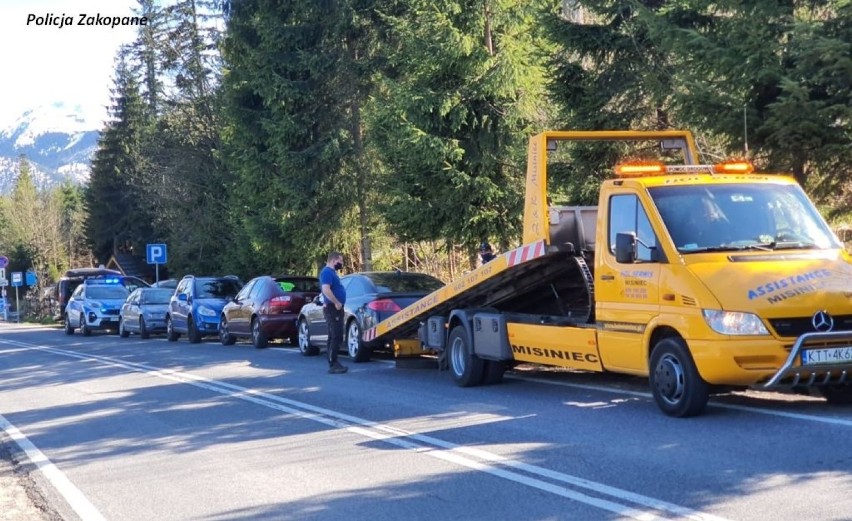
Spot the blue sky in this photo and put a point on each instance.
(45, 64)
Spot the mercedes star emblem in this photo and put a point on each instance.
(822, 321)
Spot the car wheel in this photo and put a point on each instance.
(305, 346)
(83, 329)
(358, 352)
(171, 335)
(677, 387)
(225, 335)
(467, 368)
(837, 394)
(258, 338)
(143, 329)
(191, 332)
(122, 332)
(69, 329)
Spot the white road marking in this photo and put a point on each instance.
(492, 464)
(81, 505)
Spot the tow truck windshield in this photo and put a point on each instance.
(731, 217)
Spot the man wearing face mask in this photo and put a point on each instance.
(333, 297)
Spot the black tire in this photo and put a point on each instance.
(467, 369)
(83, 329)
(122, 332)
(304, 337)
(493, 373)
(143, 329)
(676, 385)
(358, 352)
(837, 394)
(69, 329)
(171, 335)
(191, 333)
(225, 335)
(258, 338)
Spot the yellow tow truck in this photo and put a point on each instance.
(701, 277)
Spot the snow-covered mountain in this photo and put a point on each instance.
(57, 140)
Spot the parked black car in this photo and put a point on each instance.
(370, 298)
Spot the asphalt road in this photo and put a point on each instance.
(125, 429)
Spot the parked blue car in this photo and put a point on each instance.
(196, 306)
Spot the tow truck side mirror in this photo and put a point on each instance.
(625, 247)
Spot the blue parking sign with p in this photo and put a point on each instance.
(156, 253)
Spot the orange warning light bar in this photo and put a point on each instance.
(738, 166)
(640, 169)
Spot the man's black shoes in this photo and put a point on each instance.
(337, 368)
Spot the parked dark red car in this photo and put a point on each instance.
(266, 308)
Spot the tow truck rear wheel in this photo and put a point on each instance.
(493, 372)
(838, 394)
(677, 387)
(466, 367)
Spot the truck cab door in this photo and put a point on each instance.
(627, 293)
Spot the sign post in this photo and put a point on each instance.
(3, 283)
(4, 261)
(17, 281)
(157, 254)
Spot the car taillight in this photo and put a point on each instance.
(383, 305)
(279, 304)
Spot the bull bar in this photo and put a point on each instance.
(817, 374)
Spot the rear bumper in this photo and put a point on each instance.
(279, 326)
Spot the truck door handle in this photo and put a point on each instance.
(607, 277)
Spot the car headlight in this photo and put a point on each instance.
(734, 322)
(206, 312)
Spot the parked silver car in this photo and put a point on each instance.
(144, 312)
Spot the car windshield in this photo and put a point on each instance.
(106, 292)
(216, 288)
(402, 282)
(300, 284)
(156, 296)
(741, 216)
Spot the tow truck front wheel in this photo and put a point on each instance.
(677, 387)
(466, 367)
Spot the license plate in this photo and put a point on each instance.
(827, 356)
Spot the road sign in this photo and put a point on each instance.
(2, 273)
(31, 278)
(156, 253)
(4, 261)
(17, 279)
(4, 282)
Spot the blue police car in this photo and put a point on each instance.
(95, 305)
